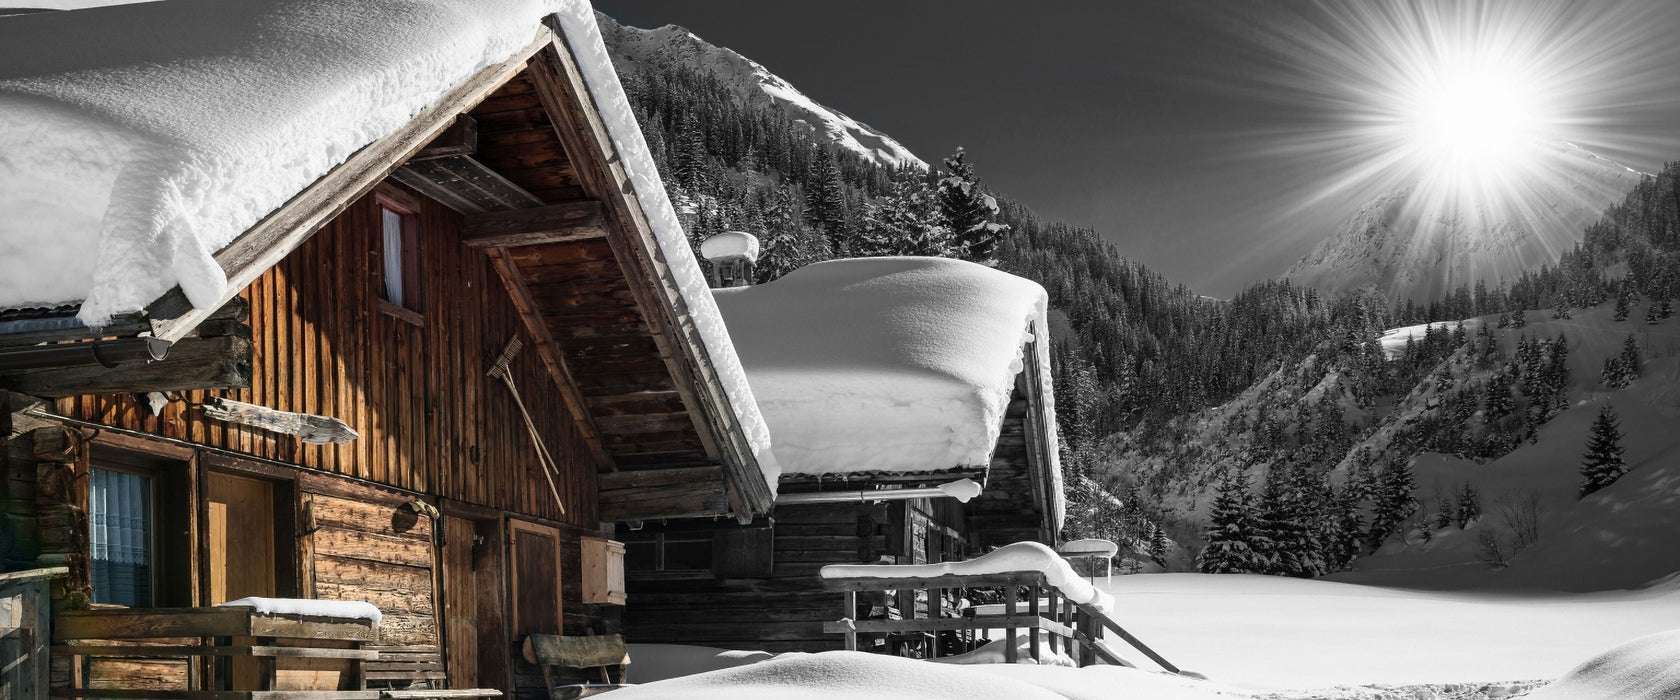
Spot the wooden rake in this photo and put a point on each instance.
(502, 369)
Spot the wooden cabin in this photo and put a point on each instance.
(843, 358)
(376, 453)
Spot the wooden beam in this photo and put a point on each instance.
(671, 501)
(193, 363)
(460, 139)
(268, 242)
(555, 223)
(601, 172)
(548, 352)
(659, 477)
(464, 184)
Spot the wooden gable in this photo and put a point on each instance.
(521, 152)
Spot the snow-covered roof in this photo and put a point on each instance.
(137, 140)
(888, 364)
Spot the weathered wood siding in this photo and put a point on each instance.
(785, 611)
(430, 420)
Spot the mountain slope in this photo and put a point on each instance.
(1396, 247)
(755, 88)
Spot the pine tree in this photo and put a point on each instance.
(1393, 502)
(1653, 315)
(1630, 358)
(1562, 310)
(1602, 464)
(1621, 312)
(1469, 505)
(1231, 532)
(969, 212)
(1518, 320)
(1497, 402)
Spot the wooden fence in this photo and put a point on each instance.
(1054, 624)
(25, 618)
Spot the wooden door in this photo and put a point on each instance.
(241, 538)
(535, 553)
(460, 603)
(241, 552)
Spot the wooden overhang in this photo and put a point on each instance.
(521, 150)
(1020, 499)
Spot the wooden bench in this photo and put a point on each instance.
(549, 651)
(406, 668)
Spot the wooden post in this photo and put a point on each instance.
(1032, 608)
(850, 614)
(1055, 616)
(1011, 653)
(1087, 630)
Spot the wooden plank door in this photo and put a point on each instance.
(240, 552)
(460, 603)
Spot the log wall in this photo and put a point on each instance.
(430, 419)
(786, 610)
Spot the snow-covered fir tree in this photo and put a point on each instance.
(969, 212)
(1232, 531)
(1602, 463)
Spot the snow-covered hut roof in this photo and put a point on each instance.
(137, 141)
(890, 364)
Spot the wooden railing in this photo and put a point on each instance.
(25, 609)
(1054, 624)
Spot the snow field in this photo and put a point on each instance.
(1269, 633)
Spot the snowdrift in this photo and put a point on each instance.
(851, 675)
(1647, 668)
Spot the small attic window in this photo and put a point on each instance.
(399, 252)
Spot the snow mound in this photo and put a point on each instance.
(1010, 558)
(137, 140)
(852, 675)
(658, 662)
(886, 364)
(994, 652)
(351, 609)
(1647, 668)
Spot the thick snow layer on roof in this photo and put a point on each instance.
(351, 609)
(137, 140)
(1010, 558)
(730, 244)
(886, 364)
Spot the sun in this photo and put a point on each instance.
(1469, 115)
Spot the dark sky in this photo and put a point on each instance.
(1169, 126)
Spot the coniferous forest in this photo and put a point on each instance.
(1169, 401)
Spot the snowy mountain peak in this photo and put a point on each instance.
(754, 86)
(1392, 246)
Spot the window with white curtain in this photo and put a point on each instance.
(391, 223)
(120, 517)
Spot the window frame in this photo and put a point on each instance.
(407, 208)
(173, 503)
